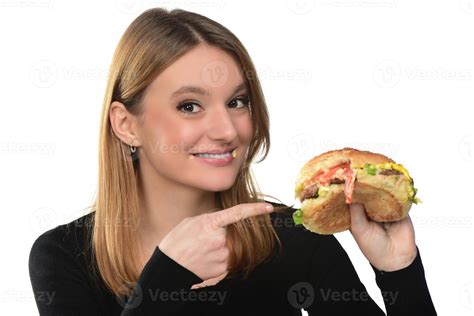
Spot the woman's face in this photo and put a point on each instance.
(180, 121)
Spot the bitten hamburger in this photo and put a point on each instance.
(328, 183)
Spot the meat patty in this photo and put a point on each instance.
(390, 172)
(309, 192)
(337, 181)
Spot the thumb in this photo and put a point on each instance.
(210, 282)
(359, 221)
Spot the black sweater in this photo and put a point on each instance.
(312, 272)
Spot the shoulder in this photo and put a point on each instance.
(69, 240)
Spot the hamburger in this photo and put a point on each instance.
(329, 182)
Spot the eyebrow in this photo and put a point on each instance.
(201, 91)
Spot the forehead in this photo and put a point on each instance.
(205, 66)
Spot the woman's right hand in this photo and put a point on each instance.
(199, 243)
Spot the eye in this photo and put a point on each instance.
(243, 99)
(187, 107)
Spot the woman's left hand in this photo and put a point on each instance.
(387, 246)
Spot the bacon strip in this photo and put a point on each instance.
(349, 187)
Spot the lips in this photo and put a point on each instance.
(216, 152)
(220, 160)
(233, 153)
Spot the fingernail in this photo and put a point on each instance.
(268, 207)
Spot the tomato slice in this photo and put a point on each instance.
(326, 178)
(347, 174)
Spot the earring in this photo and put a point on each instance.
(133, 149)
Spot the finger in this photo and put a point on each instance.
(240, 212)
(402, 227)
(210, 282)
(359, 221)
(217, 279)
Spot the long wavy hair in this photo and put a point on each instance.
(152, 42)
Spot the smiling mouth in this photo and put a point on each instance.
(232, 153)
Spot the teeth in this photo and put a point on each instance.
(217, 156)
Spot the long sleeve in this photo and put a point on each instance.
(159, 287)
(339, 291)
(405, 291)
(61, 286)
(64, 283)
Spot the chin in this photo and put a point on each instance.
(216, 185)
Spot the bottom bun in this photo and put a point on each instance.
(327, 215)
(330, 214)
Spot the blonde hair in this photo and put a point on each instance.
(152, 42)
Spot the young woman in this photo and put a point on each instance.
(178, 225)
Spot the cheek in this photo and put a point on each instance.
(173, 138)
(245, 130)
(165, 136)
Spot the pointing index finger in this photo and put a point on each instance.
(240, 212)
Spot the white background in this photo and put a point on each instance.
(393, 77)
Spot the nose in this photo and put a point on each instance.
(221, 125)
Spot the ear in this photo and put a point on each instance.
(124, 124)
